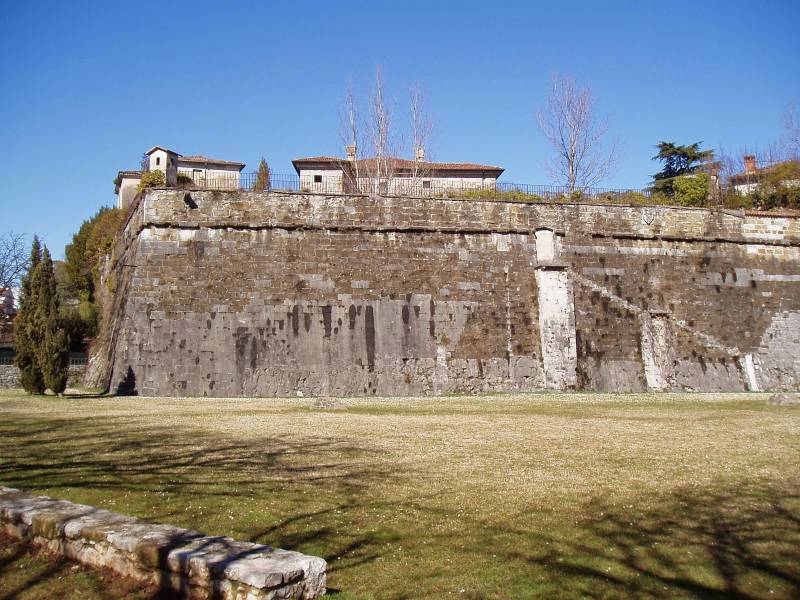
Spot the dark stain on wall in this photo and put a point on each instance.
(326, 320)
(369, 332)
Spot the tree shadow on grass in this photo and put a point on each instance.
(735, 542)
(118, 458)
(124, 457)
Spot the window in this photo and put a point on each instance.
(7, 356)
(426, 184)
(158, 160)
(317, 178)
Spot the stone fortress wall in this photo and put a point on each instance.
(263, 294)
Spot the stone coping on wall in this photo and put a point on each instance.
(162, 556)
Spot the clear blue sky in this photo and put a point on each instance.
(88, 86)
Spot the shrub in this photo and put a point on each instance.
(784, 195)
(691, 190)
(184, 180)
(632, 197)
(736, 201)
(151, 179)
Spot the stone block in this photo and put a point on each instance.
(173, 558)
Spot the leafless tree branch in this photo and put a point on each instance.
(381, 135)
(350, 132)
(791, 131)
(421, 129)
(577, 137)
(13, 259)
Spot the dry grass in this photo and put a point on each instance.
(489, 497)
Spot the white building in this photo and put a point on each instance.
(391, 175)
(208, 173)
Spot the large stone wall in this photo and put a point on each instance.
(238, 293)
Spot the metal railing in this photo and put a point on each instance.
(76, 359)
(418, 187)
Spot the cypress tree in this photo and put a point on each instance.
(26, 334)
(52, 353)
(263, 177)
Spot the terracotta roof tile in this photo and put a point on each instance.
(197, 158)
(402, 163)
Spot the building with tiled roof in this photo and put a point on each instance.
(748, 180)
(200, 170)
(391, 175)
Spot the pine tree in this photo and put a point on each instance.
(262, 177)
(52, 352)
(26, 334)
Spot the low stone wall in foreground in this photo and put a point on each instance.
(163, 556)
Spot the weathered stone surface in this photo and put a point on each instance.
(154, 554)
(253, 294)
(9, 376)
(785, 399)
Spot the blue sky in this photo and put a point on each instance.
(87, 87)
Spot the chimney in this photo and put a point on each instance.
(419, 154)
(351, 152)
(750, 164)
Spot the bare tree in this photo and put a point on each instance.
(13, 259)
(791, 133)
(350, 134)
(381, 166)
(421, 128)
(372, 143)
(569, 124)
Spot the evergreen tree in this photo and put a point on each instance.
(262, 177)
(678, 161)
(26, 334)
(52, 353)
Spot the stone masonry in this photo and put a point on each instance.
(9, 376)
(161, 556)
(263, 294)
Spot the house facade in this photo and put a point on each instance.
(391, 175)
(202, 171)
(747, 181)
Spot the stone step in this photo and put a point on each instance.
(165, 556)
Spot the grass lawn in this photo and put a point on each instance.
(512, 496)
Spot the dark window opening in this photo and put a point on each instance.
(426, 184)
(158, 160)
(7, 356)
(317, 178)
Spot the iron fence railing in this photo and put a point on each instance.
(416, 187)
(76, 359)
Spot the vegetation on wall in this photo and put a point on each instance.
(81, 277)
(690, 190)
(151, 179)
(41, 341)
(780, 187)
(184, 180)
